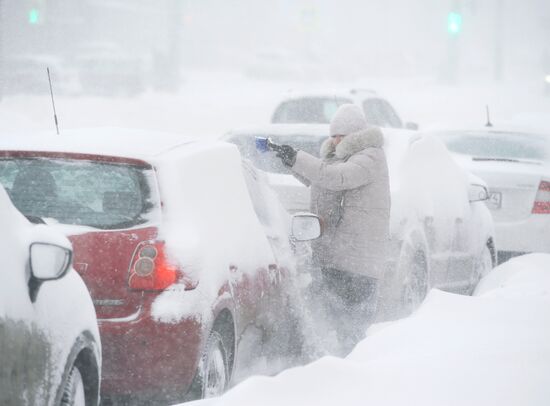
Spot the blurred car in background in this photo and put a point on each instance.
(105, 69)
(156, 221)
(516, 167)
(319, 107)
(442, 233)
(50, 349)
(27, 74)
(282, 64)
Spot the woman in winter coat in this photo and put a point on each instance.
(350, 193)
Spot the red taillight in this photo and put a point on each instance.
(542, 200)
(151, 270)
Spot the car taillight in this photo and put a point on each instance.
(151, 270)
(542, 200)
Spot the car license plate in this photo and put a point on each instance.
(495, 200)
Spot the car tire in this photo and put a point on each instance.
(484, 263)
(213, 373)
(415, 285)
(73, 390)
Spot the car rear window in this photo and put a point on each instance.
(88, 193)
(309, 110)
(267, 161)
(499, 145)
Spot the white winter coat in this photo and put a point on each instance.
(350, 193)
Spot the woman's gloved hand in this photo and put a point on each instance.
(287, 155)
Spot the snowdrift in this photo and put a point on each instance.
(489, 348)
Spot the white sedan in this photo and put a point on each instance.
(50, 350)
(318, 107)
(516, 167)
(442, 233)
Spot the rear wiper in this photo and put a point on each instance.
(35, 219)
(506, 160)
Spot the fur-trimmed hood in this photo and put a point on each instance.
(351, 144)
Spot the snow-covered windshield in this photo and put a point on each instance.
(310, 110)
(95, 194)
(267, 161)
(498, 145)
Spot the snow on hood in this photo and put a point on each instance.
(63, 309)
(492, 348)
(426, 182)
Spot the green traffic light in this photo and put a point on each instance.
(454, 23)
(33, 16)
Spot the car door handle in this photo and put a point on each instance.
(273, 273)
(80, 267)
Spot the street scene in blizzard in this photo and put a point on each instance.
(274, 202)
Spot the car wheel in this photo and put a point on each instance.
(73, 391)
(415, 286)
(213, 375)
(483, 264)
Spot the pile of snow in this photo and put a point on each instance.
(491, 348)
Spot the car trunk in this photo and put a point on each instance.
(102, 259)
(105, 205)
(512, 187)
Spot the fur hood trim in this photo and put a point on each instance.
(351, 144)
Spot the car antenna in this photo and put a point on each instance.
(53, 102)
(489, 124)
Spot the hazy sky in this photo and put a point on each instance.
(394, 37)
(362, 37)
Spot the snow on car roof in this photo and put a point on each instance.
(320, 130)
(507, 128)
(330, 93)
(123, 142)
(315, 130)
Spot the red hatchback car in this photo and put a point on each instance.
(182, 250)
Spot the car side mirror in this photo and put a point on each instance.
(411, 126)
(48, 262)
(477, 193)
(305, 227)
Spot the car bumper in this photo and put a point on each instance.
(530, 235)
(149, 359)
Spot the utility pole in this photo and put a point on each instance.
(175, 34)
(1, 48)
(497, 57)
(454, 28)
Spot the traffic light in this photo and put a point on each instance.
(33, 16)
(454, 23)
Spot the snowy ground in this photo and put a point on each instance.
(209, 104)
(489, 349)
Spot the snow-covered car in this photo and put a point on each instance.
(516, 166)
(318, 107)
(442, 233)
(50, 351)
(181, 258)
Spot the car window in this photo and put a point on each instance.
(498, 145)
(391, 117)
(374, 113)
(256, 195)
(312, 110)
(80, 192)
